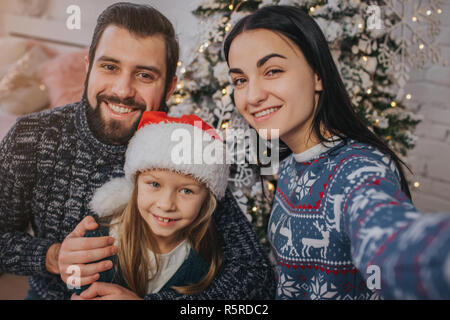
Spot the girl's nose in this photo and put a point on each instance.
(166, 201)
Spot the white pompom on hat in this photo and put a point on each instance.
(186, 145)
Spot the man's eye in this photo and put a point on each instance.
(108, 67)
(146, 76)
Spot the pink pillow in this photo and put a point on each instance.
(6, 122)
(21, 88)
(64, 77)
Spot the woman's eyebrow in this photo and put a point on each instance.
(264, 59)
(260, 62)
(236, 70)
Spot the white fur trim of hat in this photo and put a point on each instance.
(179, 147)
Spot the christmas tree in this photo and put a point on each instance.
(373, 60)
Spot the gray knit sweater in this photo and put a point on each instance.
(50, 164)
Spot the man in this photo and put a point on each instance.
(51, 163)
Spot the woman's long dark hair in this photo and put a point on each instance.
(335, 113)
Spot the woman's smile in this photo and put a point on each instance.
(265, 114)
(274, 88)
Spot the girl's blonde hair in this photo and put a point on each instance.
(135, 238)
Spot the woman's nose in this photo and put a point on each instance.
(256, 93)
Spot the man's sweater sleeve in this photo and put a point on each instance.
(246, 272)
(401, 252)
(20, 253)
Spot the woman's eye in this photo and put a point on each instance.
(238, 82)
(273, 72)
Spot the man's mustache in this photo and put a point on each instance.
(129, 102)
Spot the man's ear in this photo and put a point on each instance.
(317, 83)
(171, 88)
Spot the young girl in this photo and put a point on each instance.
(160, 213)
(342, 223)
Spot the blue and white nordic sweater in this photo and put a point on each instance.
(340, 222)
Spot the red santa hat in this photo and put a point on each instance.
(185, 145)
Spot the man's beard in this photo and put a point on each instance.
(113, 132)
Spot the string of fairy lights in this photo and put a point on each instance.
(234, 7)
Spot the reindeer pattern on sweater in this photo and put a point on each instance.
(338, 214)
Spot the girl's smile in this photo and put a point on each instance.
(169, 202)
(164, 221)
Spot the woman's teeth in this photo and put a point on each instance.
(119, 109)
(266, 112)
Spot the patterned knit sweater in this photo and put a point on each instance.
(340, 224)
(50, 165)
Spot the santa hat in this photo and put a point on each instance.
(185, 145)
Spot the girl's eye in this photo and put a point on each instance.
(186, 191)
(154, 184)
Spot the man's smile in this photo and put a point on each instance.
(120, 111)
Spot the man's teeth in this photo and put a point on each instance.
(266, 112)
(118, 109)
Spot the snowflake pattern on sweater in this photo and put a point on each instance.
(340, 211)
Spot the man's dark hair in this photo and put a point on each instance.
(142, 21)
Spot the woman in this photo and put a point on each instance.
(342, 224)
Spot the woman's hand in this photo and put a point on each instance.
(106, 291)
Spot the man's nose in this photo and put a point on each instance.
(123, 86)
